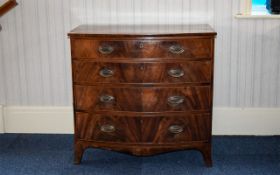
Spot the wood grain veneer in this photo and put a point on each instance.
(195, 48)
(142, 99)
(87, 72)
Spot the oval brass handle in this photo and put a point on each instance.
(107, 98)
(176, 73)
(106, 49)
(105, 72)
(176, 49)
(108, 128)
(175, 129)
(175, 100)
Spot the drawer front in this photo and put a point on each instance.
(86, 72)
(107, 128)
(175, 129)
(143, 129)
(190, 98)
(189, 48)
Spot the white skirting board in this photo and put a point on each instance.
(247, 121)
(59, 120)
(49, 120)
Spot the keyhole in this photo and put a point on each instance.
(141, 45)
(141, 67)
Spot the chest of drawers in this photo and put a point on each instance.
(143, 90)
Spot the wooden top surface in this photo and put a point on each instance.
(143, 30)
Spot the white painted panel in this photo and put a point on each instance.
(258, 60)
(21, 63)
(43, 28)
(9, 66)
(35, 50)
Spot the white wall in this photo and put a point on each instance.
(35, 65)
(35, 54)
(2, 2)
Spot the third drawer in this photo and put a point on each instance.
(143, 99)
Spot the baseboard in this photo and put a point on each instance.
(1, 120)
(246, 121)
(59, 120)
(50, 120)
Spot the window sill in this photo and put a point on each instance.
(257, 16)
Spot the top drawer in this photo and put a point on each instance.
(189, 48)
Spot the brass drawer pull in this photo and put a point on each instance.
(108, 128)
(175, 100)
(107, 99)
(106, 49)
(175, 129)
(176, 49)
(176, 73)
(105, 72)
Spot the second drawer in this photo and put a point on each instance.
(86, 72)
(142, 99)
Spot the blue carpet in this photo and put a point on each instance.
(23, 154)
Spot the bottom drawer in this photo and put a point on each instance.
(169, 129)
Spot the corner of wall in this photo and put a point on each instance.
(1, 119)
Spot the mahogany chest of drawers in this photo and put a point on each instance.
(143, 90)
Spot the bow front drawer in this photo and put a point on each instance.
(139, 129)
(86, 72)
(142, 99)
(187, 49)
